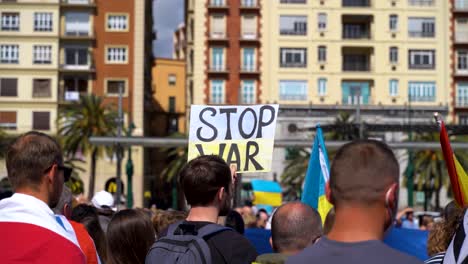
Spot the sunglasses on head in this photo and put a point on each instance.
(66, 171)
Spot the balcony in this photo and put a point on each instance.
(218, 5)
(249, 37)
(356, 3)
(461, 37)
(249, 5)
(249, 70)
(218, 37)
(78, 35)
(218, 69)
(356, 27)
(78, 4)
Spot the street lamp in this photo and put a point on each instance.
(410, 168)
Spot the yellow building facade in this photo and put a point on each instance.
(29, 46)
(329, 52)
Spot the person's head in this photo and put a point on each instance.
(294, 226)
(261, 218)
(329, 221)
(130, 235)
(247, 210)
(34, 164)
(162, 219)
(364, 175)
(207, 181)
(443, 232)
(88, 216)
(64, 205)
(234, 220)
(410, 215)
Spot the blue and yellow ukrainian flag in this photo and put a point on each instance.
(317, 176)
(267, 193)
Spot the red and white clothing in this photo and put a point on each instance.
(30, 233)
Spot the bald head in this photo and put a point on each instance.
(294, 226)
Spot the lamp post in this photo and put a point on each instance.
(129, 170)
(119, 150)
(410, 168)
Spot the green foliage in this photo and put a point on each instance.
(178, 158)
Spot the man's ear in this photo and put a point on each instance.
(390, 196)
(328, 192)
(220, 194)
(52, 173)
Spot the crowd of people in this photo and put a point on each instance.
(43, 223)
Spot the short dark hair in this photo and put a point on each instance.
(29, 156)
(202, 178)
(295, 226)
(361, 171)
(235, 221)
(130, 235)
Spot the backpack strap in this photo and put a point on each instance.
(211, 229)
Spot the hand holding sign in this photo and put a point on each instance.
(241, 135)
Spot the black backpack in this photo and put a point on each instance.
(181, 248)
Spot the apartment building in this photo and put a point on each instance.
(223, 51)
(59, 50)
(179, 43)
(459, 60)
(29, 46)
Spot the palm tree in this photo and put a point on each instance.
(77, 123)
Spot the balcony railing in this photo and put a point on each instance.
(249, 3)
(461, 5)
(293, 97)
(218, 68)
(293, 1)
(356, 3)
(463, 72)
(218, 4)
(249, 69)
(356, 34)
(355, 66)
(421, 2)
(293, 32)
(249, 36)
(293, 64)
(462, 101)
(461, 36)
(78, 3)
(421, 34)
(218, 36)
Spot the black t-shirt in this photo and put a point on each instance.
(227, 246)
(366, 252)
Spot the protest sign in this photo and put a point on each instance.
(241, 135)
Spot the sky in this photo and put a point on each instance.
(168, 14)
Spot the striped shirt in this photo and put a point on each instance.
(436, 259)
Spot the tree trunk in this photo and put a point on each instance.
(92, 177)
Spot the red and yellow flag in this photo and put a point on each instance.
(458, 176)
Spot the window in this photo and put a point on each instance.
(461, 4)
(248, 92)
(293, 25)
(77, 24)
(10, 21)
(9, 53)
(117, 22)
(293, 1)
(43, 22)
(41, 121)
(463, 120)
(248, 60)
(322, 54)
(393, 88)
(113, 87)
(462, 60)
(41, 88)
(172, 104)
(322, 21)
(461, 30)
(421, 59)
(217, 92)
(249, 27)
(9, 87)
(218, 2)
(421, 2)
(293, 57)
(42, 54)
(355, 93)
(74, 87)
(462, 94)
(422, 91)
(117, 55)
(217, 60)
(8, 120)
(249, 3)
(393, 55)
(76, 56)
(218, 27)
(171, 79)
(293, 90)
(419, 27)
(393, 22)
(322, 86)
